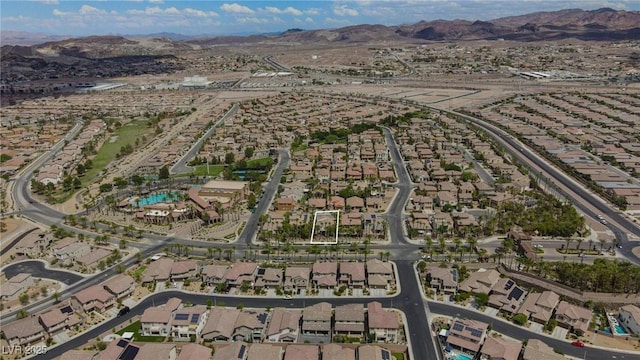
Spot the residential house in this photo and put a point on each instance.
(481, 281)
(383, 269)
(349, 321)
(23, 331)
(185, 269)
(630, 318)
(269, 278)
(214, 274)
(67, 255)
(33, 245)
(539, 306)
(155, 352)
(443, 280)
(12, 289)
(220, 325)
(498, 348)
(194, 351)
(158, 270)
(250, 326)
(316, 319)
(467, 335)
(302, 352)
(337, 352)
(156, 321)
(384, 324)
(573, 317)
(296, 278)
(324, 274)
(120, 286)
(373, 352)
(240, 272)
(265, 352)
(284, 325)
(537, 350)
(285, 204)
(506, 296)
(234, 351)
(53, 320)
(188, 322)
(93, 298)
(352, 274)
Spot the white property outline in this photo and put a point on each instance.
(313, 229)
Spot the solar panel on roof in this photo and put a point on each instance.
(508, 285)
(182, 316)
(385, 354)
(516, 293)
(195, 318)
(262, 318)
(243, 348)
(458, 327)
(129, 353)
(123, 343)
(476, 333)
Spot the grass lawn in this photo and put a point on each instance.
(260, 162)
(140, 270)
(107, 153)
(214, 170)
(135, 329)
(398, 356)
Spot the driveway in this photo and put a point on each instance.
(560, 333)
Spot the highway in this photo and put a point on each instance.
(588, 203)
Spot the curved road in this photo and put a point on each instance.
(38, 268)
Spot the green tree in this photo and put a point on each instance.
(519, 319)
(163, 173)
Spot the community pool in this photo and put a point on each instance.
(164, 197)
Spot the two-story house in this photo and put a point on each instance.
(120, 286)
(220, 325)
(284, 325)
(324, 274)
(185, 269)
(352, 274)
(269, 278)
(250, 326)
(572, 317)
(24, 331)
(214, 274)
(93, 298)
(156, 321)
(240, 272)
(539, 307)
(188, 322)
(296, 278)
(467, 335)
(349, 321)
(384, 324)
(443, 280)
(316, 319)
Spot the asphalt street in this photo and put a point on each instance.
(37, 269)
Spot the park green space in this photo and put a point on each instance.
(126, 134)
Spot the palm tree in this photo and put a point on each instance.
(442, 244)
(602, 242)
(228, 253)
(471, 242)
(429, 242)
(579, 241)
(457, 242)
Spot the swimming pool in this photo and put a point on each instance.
(164, 197)
(454, 355)
(620, 330)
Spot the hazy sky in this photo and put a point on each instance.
(133, 17)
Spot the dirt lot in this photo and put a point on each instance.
(618, 342)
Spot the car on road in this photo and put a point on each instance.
(426, 257)
(288, 297)
(125, 310)
(578, 343)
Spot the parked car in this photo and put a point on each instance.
(124, 311)
(578, 343)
